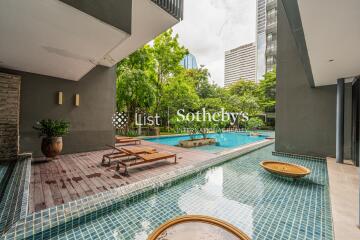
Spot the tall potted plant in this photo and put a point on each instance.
(52, 132)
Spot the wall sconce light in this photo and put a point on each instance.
(60, 98)
(77, 99)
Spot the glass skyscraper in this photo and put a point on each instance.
(266, 36)
(260, 39)
(271, 34)
(189, 62)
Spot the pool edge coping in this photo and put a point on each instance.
(185, 134)
(70, 211)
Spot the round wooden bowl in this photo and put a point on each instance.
(196, 227)
(285, 169)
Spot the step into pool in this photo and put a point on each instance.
(239, 191)
(225, 141)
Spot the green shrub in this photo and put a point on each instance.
(254, 123)
(127, 133)
(52, 128)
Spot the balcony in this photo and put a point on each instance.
(173, 7)
(270, 4)
(271, 27)
(271, 51)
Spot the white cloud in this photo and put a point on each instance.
(210, 27)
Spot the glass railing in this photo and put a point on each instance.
(173, 7)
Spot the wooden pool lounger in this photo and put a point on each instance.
(128, 151)
(144, 159)
(127, 140)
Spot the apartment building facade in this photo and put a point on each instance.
(266, 36)
(240, 63)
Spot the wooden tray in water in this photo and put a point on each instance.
(197, 227)
(285, 169)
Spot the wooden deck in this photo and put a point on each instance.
(73, 176)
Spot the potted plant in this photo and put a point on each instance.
(52, 132)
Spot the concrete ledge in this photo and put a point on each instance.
(71, 214)
(14, 203)
(344, 197)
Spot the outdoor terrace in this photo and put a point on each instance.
(73, 176)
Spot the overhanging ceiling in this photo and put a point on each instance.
(52, 38)
(148, 21)
(332, 34)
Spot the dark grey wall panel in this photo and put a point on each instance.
(291, 9)
(305, 116)
(114, 12)
(91, 126)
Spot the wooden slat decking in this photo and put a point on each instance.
(73, 176)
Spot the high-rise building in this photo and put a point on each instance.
(266, 36)
(260, 38)
(189, 62)
(240, 63)
(271, 34)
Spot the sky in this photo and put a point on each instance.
(211, 27)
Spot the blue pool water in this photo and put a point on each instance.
(224, 141)
(239, 191)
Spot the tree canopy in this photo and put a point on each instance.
(152, 81)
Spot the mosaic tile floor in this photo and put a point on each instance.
(240, 192)
(3, 168)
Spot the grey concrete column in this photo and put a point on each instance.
(340, 121)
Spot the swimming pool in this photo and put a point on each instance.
(238, 191)
(224, 141)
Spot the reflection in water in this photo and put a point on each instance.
(211, 200)
(239, 192)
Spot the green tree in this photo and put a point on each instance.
(254, 123)
(179, 93)
(167, 54)
(200, 78)
(267, 91)
(135, 83)
(245, 97)
(243, 87)
(211, 104)
(151, 80)
(247, 103)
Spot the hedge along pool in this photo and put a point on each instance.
(225, 141)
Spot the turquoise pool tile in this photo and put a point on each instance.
(225, 141)
(239, 191)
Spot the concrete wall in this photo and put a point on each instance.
(9, 116)
(91, 126)
(305, 116)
